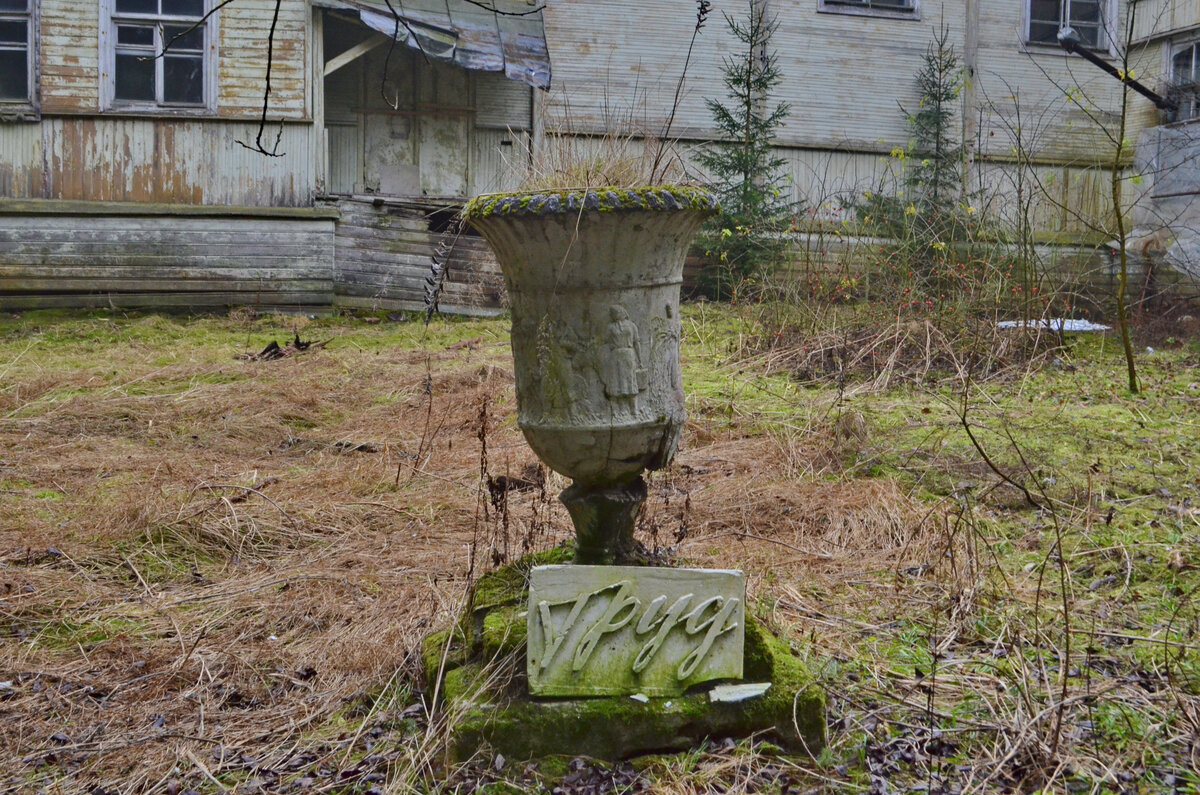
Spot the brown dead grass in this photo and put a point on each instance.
(230, 567)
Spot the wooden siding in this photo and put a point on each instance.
(1056, 202)
(243, 60)
(822, 179)
(1022, 94)
(501, 103)
(139, 257)
(443, 132)
(1163, 17)
(383, 256)
(846, 76)
(21, 160)
(70, 57)
(616, 65)
(500, 161)
(154, 160)
(345, 158)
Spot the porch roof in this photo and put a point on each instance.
(509, 39)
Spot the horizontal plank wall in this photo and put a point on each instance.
(82, 254)
(384, 251)
(95, 254)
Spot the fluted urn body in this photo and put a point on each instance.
(593, 283)
(593, 280)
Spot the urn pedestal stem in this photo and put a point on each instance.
(604, 519)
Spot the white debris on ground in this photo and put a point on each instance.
(1055, 324)
(734, 693)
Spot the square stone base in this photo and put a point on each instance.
(478, 666)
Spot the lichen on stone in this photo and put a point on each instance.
(604, 199)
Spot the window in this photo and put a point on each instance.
(158, 52)
(1088, 17)
(905, 9)
(1185, 81)
(16, 52)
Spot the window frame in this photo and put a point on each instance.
(865, 8)
(1108, 23)
(1172, 52)
(110, 18)
(30, 107)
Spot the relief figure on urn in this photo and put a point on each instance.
(622, 369)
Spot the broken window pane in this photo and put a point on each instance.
(1183, 65)
(1085, 12)
(1085, 18)
(1045, 18)
(1185, 81)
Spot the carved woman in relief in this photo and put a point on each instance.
(664, 347)
(623, 360)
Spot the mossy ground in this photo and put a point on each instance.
(189, 560)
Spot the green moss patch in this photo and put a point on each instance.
(606, 199)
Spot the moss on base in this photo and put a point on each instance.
(505, 718)
(486, 630)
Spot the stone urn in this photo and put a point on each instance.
(593, 281)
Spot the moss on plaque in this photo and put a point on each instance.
(484, 687)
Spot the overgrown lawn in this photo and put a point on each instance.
(216, 572)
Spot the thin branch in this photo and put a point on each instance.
(262, 124)
(703, 7)
(387, 59)
(439, 266)
(198, 23)
(498, 12)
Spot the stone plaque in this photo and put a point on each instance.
(615, 630)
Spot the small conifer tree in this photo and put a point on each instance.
(935, 179)
(925, 217)
(746, 173)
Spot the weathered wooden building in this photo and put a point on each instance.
(134, 173)
(130, 130)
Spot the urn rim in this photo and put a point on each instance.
(558, 201)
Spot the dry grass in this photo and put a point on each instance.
(235, 553)
(209, 554)
(884, 352)
(217, 573)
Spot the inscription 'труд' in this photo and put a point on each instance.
(612, 630)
